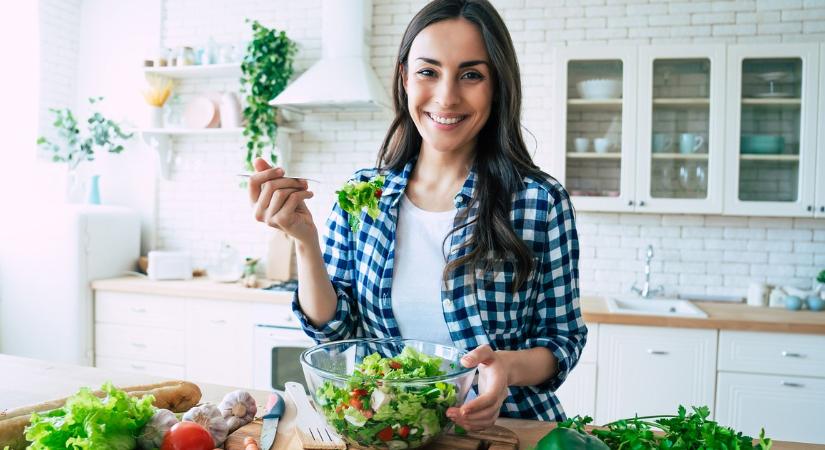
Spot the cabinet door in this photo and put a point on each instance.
(771, 140)
(681, 129)
(652, 370)
(578, 392)
(820, 158)
(594, 136)
(219, 341)
(789, 408)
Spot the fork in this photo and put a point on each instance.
(247, 175)
(312, 429)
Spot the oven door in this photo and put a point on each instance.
(276, 357)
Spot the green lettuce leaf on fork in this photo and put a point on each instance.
(89, 422)
(356, 196)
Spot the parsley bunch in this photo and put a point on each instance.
(356, 196)
(682, 431)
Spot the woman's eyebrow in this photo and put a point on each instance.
(460, 66)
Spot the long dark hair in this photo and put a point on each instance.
(501, 158)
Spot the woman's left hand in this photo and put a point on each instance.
(493, 375)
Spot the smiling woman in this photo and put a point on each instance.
(472, 244)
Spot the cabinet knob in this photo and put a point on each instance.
(822, 209)
(810, 208)
(218, 321)
(791, 384)
(138, 310)
(138, 367)
(138, 345)
(656, 352)
(630, 203)
(788, 354)
(642, 203)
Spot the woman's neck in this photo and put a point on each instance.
(437, 178)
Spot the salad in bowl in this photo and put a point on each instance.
(386, 393)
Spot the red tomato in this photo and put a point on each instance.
(359, 392)
(187, 436)
(385, 434)
(355, 403)
(395, 365)
(367, 413)
(378, 193)
(404, 432)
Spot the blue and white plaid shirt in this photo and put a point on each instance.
(480, 307)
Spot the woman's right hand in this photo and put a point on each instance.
(279, 202)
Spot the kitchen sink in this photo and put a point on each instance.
(654, 307)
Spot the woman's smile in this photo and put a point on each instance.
(446, 121)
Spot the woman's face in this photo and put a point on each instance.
(449, 85)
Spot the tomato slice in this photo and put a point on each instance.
(395, 365)
(404, 432)
(359, 392)
(385, 434)
(356, 403)
(367, 413)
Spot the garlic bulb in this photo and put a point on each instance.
(209, 417)
(151, 436)
(238, 408)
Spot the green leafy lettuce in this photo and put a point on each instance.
(356, 196)
(89, 422)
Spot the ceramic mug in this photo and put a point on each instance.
(581, 144)
(602, 145)
(662, 142)
(690, 143)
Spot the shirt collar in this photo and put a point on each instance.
(395, 182)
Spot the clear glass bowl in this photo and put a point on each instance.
(380, 412)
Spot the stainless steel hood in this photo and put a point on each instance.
(343, 79)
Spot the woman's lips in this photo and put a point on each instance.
(446, 122)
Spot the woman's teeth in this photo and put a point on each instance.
(445, 120)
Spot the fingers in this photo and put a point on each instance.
(261, 164)
(481, 355)
(279, 197)
(259, 178)
(292, 202)
(268, 193)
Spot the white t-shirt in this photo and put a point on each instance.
(417, 273)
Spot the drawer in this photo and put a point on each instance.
(147, 367)
(139, 343)
(138, 309)
(772, 353)
(279, 315)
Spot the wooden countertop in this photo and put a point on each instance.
(25, 381)
(721, 315)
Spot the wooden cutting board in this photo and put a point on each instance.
(495, 438)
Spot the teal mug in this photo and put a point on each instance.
(793, 303)
(815, 303)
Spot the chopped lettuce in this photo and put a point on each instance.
(372, 411)
(356, 196)
(89, 422)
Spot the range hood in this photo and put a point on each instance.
(343, 79)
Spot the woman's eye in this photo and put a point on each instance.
(426, 72)
(473, 76)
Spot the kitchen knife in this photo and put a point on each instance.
(274, 411)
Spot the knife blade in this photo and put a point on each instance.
(274, 411)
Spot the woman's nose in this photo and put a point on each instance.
(447, 93)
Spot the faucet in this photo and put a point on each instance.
(645, 291)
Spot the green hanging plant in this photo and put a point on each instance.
(266, 68)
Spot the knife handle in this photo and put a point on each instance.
(274, 406)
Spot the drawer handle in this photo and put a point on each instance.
(138, 367)
(656, 352)
(792, 354)
(138, 345)
(138, 310)
(791, 384)
(218, 321)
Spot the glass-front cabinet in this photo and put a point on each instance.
(593, 136)
(772, 120)
(680, 128)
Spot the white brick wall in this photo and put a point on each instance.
(59, 47)
(200, 206)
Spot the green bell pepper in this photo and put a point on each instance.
(569, 439)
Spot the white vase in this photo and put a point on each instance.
(155, 117)
(230, 109)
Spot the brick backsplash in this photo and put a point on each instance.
(694, 253)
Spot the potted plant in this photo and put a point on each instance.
(75, 147)
(266, 68)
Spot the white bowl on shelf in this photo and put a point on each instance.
(599, 89)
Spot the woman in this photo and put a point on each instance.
(474, 245)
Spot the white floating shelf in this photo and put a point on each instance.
(591, 155)
(231, 70)
(690, 156)
(752, 157)
(191, 131)
(772, 101)
(682, 102)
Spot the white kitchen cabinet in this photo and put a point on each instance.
(775, 380)
(148, 367)
(820, 157)
(218, 342)
(597, 179)
(771, 129)
(651, 370)
(578, 392)
(139, 310)
(789, 408)
(680, 142)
